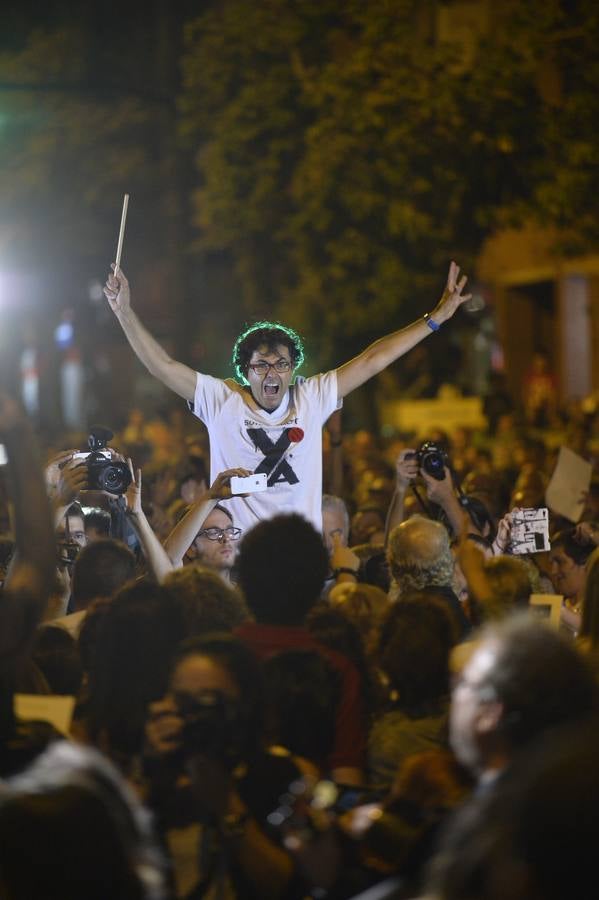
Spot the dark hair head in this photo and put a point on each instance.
(56, 654)
(479, 515)
(270, 334)
(362, 604)
(100, 520)
(576, 549)
(282, 566)
(222, 509)
(100, 569)
(441, 616)
(415, 658)
(205, 601)
(509, 583)
(245, 669)
(129, 668)
(75, 509)
(333, 629)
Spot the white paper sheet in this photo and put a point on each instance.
(569, 483)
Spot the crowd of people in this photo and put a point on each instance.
(312, 703)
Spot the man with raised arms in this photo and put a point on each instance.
(266, 421)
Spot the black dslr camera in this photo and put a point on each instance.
(103, 472)
(432, 459)
(212, 726)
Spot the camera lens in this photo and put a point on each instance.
(432, 460)
(114, 478)
(433, 464)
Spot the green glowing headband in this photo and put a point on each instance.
(274, 332)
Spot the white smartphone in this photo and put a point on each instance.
(3, 456)
(252, 484)
(530, 531)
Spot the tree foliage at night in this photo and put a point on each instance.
(346, 151)
(70, 148)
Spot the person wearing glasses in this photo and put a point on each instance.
(207, 534)
(269, 420)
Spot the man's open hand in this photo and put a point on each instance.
(452, 296)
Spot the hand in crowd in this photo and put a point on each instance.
(72, 480)
(116, 291)
(220, 489)
(164, 727)
(452, 296)
(504, 532)
(133, 492)
(440, 492)
(213, 784)
(164, 734)
(503, 539)
(406, 468)
(53, 470)
(587, 533)
(64, 586)
(343, 557)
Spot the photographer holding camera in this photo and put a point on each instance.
(100, 470)
(74, 479)
(431, 463)
(212, 782)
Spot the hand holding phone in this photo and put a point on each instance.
(252, 484)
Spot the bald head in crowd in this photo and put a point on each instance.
(420, 560)
(419, 555)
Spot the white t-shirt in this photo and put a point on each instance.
(285, 444)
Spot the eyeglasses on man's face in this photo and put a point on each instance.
(261, 368)
(219, 534)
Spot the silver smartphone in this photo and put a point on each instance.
(252, 484)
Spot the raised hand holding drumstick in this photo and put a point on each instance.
(116, 291)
